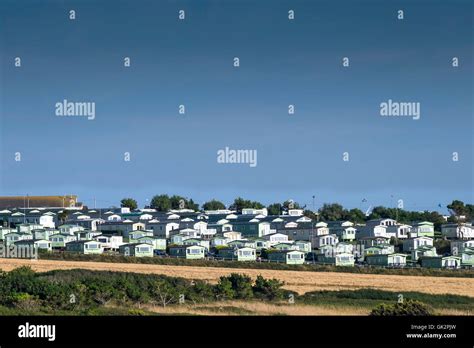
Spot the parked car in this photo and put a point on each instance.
(160, 253)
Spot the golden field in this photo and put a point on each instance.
(299, 281)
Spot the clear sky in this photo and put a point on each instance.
(282, 62)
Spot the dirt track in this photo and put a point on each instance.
(294, 280)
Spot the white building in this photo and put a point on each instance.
(70, 229)
(275, 238)
(398, 231)
(251, 211)
(458, 246)
(109, 242)
(47, 221)
(461, 231)
(320, 241)
(414, 243)
(162, 229)
(371, 231)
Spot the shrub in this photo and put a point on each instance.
(24, 302)
(136, 312)
(223, 289)
(269, 289)
(200, 292)
(406, 308)
(242, 285)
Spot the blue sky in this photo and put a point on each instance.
(282, 62)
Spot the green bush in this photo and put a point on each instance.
(242, 285)
(224, 290)
(24, 302)
(269, 289)
(405, 308)
(80, 290)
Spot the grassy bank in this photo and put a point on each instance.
(369, 298)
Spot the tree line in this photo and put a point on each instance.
(328, 212)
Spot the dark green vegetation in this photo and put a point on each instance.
(328, 212)
(213, 205)
(407, 308)
(129, 203)
(334, 212)
(240, 203)
(463, 273)
(165, 203)
(442, 246)
(84, 292)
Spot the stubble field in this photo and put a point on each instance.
(298, 281)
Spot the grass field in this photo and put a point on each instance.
(409, 271)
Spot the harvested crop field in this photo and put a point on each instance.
(298, 281)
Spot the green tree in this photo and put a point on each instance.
(223, 289)
(213, 205)
(242, 285)
(459, 209)
(470, 211)
(332, 212)
(161, 203)
(442, 246)
(179, 202)
(240, 203)
(269, 289)
(192, 205)
(355, 215)
(312, 215)
(101, 290)
(274, 209)
(380, 212)
(200, 291)
(129, 203)
(436, 218)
